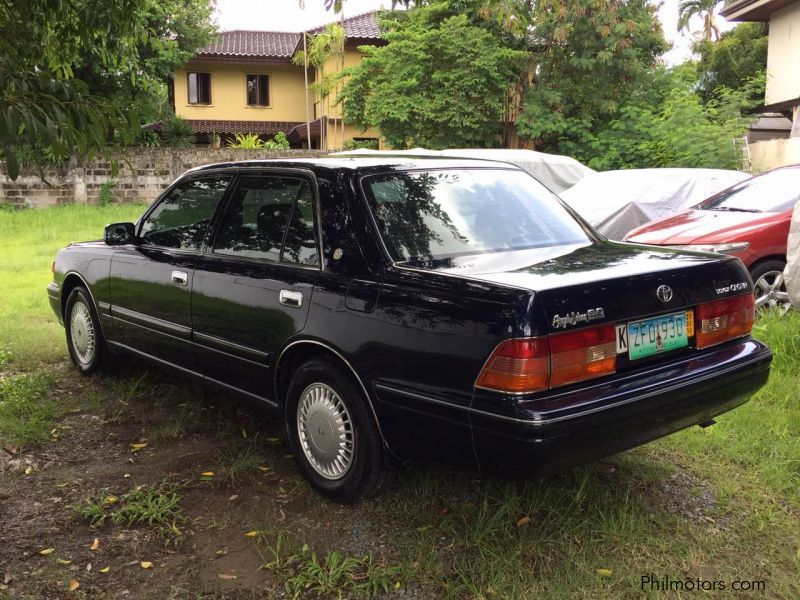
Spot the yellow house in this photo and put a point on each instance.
(246, 82)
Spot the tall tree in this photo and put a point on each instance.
(589, 57)
(441, 81)
(703, 9)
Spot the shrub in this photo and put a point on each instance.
(106, 197)
(177, 133)
(247, 141)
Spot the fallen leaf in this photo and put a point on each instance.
(95, 545)
(264, 468)
(251, 534)
(63, 561)
(273, 440)
(244, 433)
(397, 585)
(74, 585)
(522, 521)
(61, 485)
(146, 564)
(604, 572)
(105, 569)
(88, 566)
(207, 474)
(224, 576)
(175, 529)
(29, 470)
(234, 497)
(222, 552)
(47, 551)
(109, 500)
(127, 476)
(137, 447)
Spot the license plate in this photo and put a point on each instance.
(653, 336)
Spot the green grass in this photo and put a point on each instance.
(157, 506)
(29, 240)
(28, 413)
(235, 466)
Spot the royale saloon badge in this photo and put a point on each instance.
(573, 318)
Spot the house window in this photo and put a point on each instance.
(258, 90)
(199, 88)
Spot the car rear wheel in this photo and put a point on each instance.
(332, 433)
(85, 342)
(770, 288)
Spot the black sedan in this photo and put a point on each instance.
(393, 310)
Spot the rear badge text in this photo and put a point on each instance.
(574, 318)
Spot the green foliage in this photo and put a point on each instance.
(740, 55)
(157, 506)
(279, 142)
(177, 133)
(106, 196)
(73, 73)
(353, 144)
(28, 410)
(679, 131)
(248, 141)
(149, 139)
(589, 57)
(703, 9)
(441, 81)
(214, 140)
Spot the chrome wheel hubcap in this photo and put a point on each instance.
(325, 431)
(771, 291)
(82, 334)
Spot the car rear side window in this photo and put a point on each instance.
(269, 217)
(181, 219)
(453, 212)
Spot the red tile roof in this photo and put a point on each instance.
(281, 44)
(260, 127)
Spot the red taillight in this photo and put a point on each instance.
(533, 364)
(517, 365)
(583, 354)
(724, 320)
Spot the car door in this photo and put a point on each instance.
(151, 280)
(252, 288)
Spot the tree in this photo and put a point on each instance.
(703, 9)
(589, 57)
(63, 70)
(736, 58)
(441, 81)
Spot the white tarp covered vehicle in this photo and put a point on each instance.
(555, 171)
(791, 273)
(615, 202)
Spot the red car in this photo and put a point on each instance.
(749, 220)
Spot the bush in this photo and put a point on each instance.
(247, 141)
(106, 197)
(177, 133)
(353, 144)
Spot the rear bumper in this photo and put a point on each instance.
(54, 297)
(531, 437)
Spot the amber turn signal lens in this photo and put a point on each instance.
(517, 365)
(724, 320)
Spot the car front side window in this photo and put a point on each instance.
(269, 217)
(181, 219)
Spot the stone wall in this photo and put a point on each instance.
(143, 175)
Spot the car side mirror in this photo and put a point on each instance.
(118, 234)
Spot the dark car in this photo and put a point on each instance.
(394, 310)
(749, 220)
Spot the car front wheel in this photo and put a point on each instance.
(332, 433)
(85, 340)
(770, 288)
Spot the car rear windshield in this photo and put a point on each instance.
(430, 215)
(775, 191)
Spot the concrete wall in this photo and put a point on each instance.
(143, 175)
(774, 153)
(783, 58)
(229, 93)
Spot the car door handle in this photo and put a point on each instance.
(180, 277)
(290, 298)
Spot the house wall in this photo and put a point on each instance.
(229, 94)
(783, 58)
(774, 153)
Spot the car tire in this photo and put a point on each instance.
(85, 341)
(769, 286)
(333, 434)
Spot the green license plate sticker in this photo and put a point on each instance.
(660, 334)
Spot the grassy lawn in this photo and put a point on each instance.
(190, 496)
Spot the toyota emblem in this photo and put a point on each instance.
(664, 293)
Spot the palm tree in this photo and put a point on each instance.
(703, 9)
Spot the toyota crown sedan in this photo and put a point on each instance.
(400, 310)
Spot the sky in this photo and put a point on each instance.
(286, 15)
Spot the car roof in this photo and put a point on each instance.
(361, 163)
